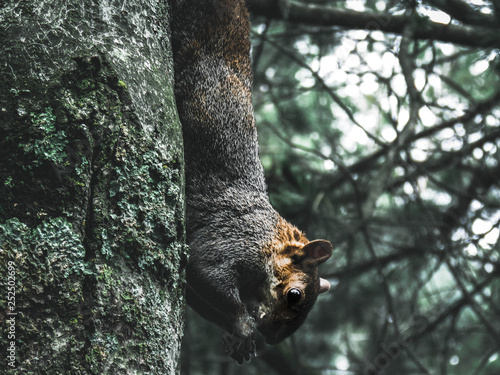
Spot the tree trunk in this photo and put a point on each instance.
(91, 189)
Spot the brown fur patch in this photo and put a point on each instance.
(285, 245)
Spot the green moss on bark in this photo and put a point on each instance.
(50, 266)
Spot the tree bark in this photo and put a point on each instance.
(92, 252)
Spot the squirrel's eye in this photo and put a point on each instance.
(293, 296)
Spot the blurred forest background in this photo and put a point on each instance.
(379, 127)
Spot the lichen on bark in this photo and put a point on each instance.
(91, 182)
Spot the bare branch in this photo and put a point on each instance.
(324, 86)
(371, 160)
(474, 36)
(464, 12)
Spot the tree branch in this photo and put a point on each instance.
(473, 36)
(370, 160)
(324, 86)
(464, 12)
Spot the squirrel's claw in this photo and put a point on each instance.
(238, 348)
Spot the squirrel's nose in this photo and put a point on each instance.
(324, 285)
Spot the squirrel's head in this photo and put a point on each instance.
(294, 287)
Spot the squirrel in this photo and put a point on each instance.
(249, 269)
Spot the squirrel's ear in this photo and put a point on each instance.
(318, 250)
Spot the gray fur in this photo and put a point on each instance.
(230, 223)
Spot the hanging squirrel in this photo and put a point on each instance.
(249, 269)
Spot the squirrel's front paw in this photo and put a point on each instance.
(238, 348)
